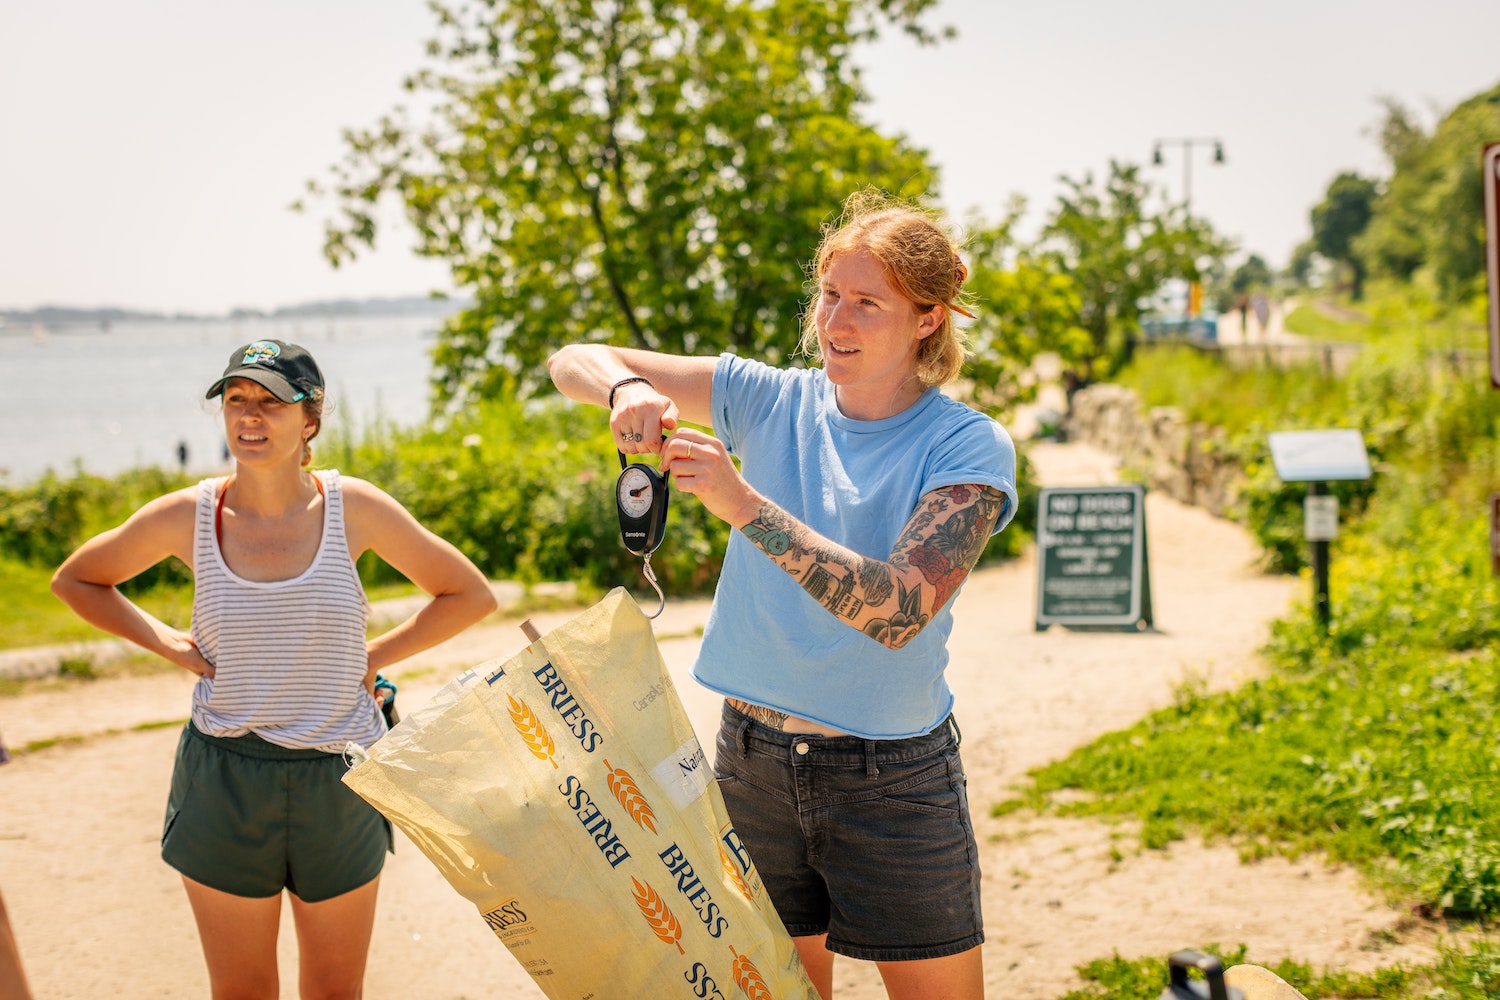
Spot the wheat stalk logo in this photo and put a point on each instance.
(663, 924)
(736, 876)
(748, 977)
(629, 794)
(538, 741)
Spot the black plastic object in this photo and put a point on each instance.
(1211, 987)
(641, 499)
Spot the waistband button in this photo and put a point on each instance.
(802, 748)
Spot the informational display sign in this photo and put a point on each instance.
(1491, 175)
(1318, 456)
(1092, 566)
(1320, 518)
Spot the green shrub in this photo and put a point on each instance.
(527, 492)
(1011, 542)
(1374, 742)
(42, 522)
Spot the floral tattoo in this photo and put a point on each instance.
(881, 598)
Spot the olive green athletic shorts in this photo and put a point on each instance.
(251, 818)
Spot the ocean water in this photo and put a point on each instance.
(111, 399)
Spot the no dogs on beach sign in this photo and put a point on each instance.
(1092, 565)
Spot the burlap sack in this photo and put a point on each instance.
(564, 793)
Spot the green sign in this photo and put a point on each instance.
(1092, 568)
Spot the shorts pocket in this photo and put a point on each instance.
(184, 772)
(934, 788)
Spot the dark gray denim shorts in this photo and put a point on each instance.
(251, 818)
(869, 841)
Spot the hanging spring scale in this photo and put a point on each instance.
(641, 501)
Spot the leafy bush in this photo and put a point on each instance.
(1011, 542)
(527, 492)
(1417, 392)
(1374, 743)
(42, 522)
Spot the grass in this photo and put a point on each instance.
(1389, 311)
(1373, 744)
(31, 616)
(79, 738)
(1460, 973)
(1316, 321)
(1237, 400)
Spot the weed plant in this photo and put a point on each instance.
(1373, 742)
(1459, 974)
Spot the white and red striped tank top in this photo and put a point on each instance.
(289, 655)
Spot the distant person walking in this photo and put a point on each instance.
(286, 677)
(1262, 306)
(182, 455)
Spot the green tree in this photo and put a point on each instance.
(1253, 273)
(1118, 253)
(1026, 306)
(1340, 218)
(1299, 269)
(642, 172)
(1429, 220)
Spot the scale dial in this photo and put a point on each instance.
(635, 492)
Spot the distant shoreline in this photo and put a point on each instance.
(21, 321)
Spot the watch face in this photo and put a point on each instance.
(634, 492)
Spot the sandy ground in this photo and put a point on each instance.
(98, 913)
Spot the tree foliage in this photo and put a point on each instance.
(1339, 220)
(1118, 252)
(1027, 305)
(1429, 220)
(646, 173)
(1252, 274)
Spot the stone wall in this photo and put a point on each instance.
(1183, 460)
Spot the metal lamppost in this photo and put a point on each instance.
(1187, 162)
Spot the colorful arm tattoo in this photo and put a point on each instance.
(887, 599)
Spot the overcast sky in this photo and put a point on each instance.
(149, 151)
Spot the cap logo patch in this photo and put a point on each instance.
(262, 352)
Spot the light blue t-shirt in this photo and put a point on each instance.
(768, 641)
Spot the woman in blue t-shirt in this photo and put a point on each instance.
(863, 498)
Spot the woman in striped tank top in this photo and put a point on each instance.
(285, 675)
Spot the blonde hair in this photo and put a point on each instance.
(922, 263)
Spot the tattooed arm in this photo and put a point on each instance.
(889, 600)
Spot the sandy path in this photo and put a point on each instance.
(97, 912)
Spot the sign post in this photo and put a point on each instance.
(1491, 174)
(1314, 458)
(1092, 567)
(1494, 535)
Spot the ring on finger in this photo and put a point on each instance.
(690, 451)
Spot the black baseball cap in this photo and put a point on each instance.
(288, 371)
